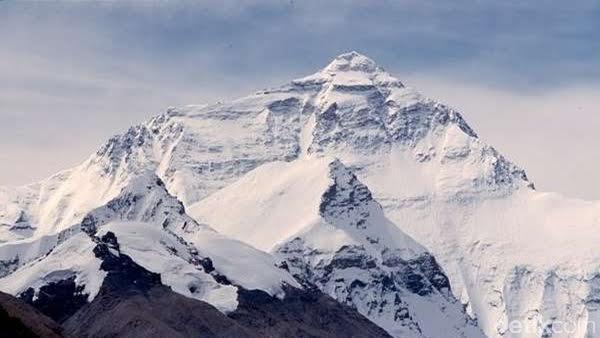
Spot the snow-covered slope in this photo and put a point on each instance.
(512, 254)
(153, 229)
(323, 224)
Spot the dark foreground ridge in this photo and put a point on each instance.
(21, 320)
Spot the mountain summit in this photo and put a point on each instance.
(352, 61)
(344, 184)
(350, 68)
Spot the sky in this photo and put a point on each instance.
(525, 74)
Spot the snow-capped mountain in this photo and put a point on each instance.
(511, 254)
(326, 228)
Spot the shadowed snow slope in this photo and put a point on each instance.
(512, 254)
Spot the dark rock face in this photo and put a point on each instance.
(432, 271)
(351, 257)
(8, 266)
(20, 320)
(302, 313)
(347, 197)
(123, 272)
(57, 300)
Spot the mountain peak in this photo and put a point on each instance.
(352, 61)
(350, 69)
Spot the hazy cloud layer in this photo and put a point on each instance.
(526, 73)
